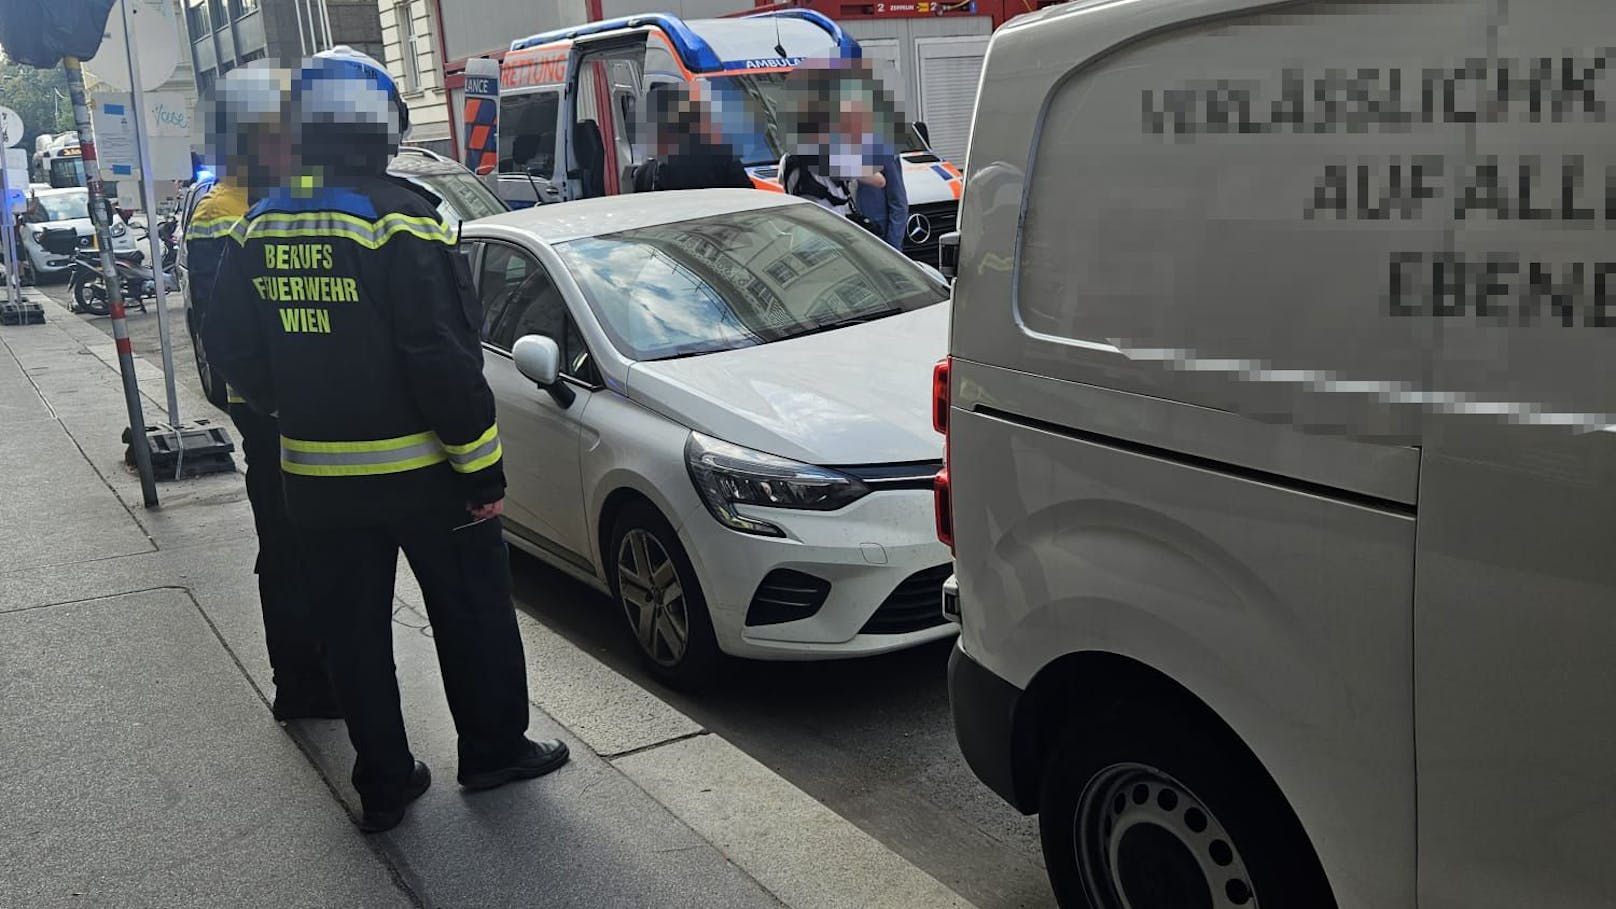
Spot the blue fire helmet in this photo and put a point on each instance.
(348, 111)
(342, 86)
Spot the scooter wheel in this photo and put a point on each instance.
(91, 297)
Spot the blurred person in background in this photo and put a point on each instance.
(250, 147)
(880, 201)
(689, 147)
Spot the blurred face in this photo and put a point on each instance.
(270, 159)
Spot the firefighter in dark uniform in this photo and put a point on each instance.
(345, 308)
(247, 135)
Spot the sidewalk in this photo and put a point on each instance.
(140, 766)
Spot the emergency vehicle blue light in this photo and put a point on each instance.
(695, 52)
(204, 175)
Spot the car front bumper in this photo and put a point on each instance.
(866, 552)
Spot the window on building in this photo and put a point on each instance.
(407, 47)
(216, 13)
(247, 6)
(196, 17)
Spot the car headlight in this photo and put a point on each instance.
(728, 475)
(119, 228)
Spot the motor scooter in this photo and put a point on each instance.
(135, 278)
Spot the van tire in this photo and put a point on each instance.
(641, 530)
(1212, 830)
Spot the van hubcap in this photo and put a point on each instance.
(1145, 841)
(653, 597)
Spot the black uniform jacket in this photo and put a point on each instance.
(348, 312)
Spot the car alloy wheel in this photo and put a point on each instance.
(653, 597)
(1145, 841)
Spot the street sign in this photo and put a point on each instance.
(155, 33)
(481, 114)
(17, 178)
(170, 120)
(11, 127)
(114, 128)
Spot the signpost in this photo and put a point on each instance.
(13, 198)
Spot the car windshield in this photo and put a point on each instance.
(465, 198)
(741, 279)
(64, 206)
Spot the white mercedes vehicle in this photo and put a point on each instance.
(714, 407)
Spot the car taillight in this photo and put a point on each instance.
(942, 499)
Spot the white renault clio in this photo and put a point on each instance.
(714, 406)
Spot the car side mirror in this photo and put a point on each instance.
(948, 254)
(539, 358)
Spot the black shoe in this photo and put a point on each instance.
(298, 704)
(538, 759)
(376, 820)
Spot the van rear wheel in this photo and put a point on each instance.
(1164, 813)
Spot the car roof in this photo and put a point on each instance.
(60, 190)
(562, 221)
(406, 164)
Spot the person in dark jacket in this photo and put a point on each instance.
(250, 146)
(345, 309)
(691, 151)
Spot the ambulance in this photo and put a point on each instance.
(571, 123)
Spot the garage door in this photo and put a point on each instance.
(948, 69)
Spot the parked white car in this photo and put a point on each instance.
(731, 431)
(62, 209)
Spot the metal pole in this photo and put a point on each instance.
(143, 149)
(302, 43)
(325, 15)
(7, 227)
(109, 274)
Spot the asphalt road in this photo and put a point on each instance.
(872, 739)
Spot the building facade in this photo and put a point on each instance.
(225, 34)
(412, 54)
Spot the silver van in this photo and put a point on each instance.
(1282, 456)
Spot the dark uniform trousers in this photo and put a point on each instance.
(289, 622)
(465, 577)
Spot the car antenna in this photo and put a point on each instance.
(779, 43)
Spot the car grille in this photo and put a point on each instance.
(916, 605)
(941, 216)
(786, 596)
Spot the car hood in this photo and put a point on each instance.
(855, 395)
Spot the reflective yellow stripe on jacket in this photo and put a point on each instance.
(384, 456)
(329, 224)
(474, 456)
(211, 228)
